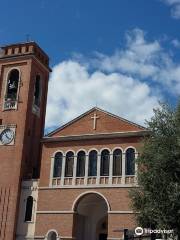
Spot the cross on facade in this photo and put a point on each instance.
(95, 117)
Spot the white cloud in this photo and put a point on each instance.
(171, 2)
(137, 58)
(72, 90)
(175, 7)
(176, 43)
(144, 60)
(129, 83)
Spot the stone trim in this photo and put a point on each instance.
(99, 151)
(95, 136)
(15, 57)
(8, 126)
(111, 238)
(54, 212)
(6, 86)
(72, 212)
(66, 237)
(89, 192)
(98, 180)
(121, 212)
(87, 187)
(61, 237)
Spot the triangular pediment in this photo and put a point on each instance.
(96, 121)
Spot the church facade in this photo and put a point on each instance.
(71, 184)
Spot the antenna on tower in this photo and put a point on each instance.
(27, 37)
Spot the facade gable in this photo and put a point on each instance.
(96, 121)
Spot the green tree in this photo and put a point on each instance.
(157, 199)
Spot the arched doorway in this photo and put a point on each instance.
(91, 218)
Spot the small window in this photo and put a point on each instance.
(57, 165)
(37, 91)
(52, 236)
(105, 163)
(29, 209)
(27, 49)
(117, 162)
(69, 164)
(130, 161)
(81, 157)
(12, 85)
(92, 163)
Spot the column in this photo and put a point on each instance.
(63, 170)
(51, 172)
(74, 170)
(136, 168)
(123, 167)
(86, 169)
(110, 168)
(98, 169)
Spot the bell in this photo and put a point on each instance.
(12, 86)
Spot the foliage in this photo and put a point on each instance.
(157, 199)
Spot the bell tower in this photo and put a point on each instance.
(24, 74)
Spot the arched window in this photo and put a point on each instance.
(57, 164)
(117, 162)
(37, 91)
(52, 236)
(69, 164)
(81, 157)
(105, 163)
(130, 161)
(12, 85)
(92, 163)
(29, 209)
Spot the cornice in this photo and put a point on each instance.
(24, 56)
(96, 136)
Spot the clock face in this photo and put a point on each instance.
(6, 136)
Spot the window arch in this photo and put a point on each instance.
(12, 85)
(105, 162)
(69, 164)
(57, 165)
(81, 158)
(52, 236)
(117, 162)
(37, 91)
(130, 161)
(92, 170)
(29, 209)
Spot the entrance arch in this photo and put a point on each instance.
(91, 217)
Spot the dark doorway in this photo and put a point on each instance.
(91, 221)
(102, 236)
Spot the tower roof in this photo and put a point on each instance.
(24, 49)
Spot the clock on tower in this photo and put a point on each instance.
(6, 136)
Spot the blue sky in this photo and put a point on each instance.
(65, 26)
(122, 55)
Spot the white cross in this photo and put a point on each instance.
(95, 117)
